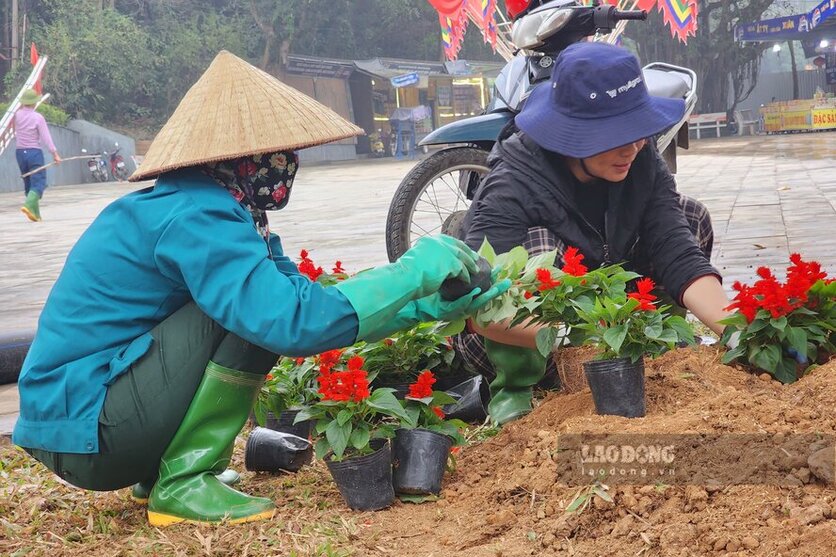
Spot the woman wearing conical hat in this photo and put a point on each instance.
(173, 305)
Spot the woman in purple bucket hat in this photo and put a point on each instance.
(579, 167)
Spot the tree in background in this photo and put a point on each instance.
(128, 62)
(722, 65)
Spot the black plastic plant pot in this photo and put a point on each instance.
(365, 482)
(419, 458)
(274, 451)
(472, 398)
(284, 423)
(401, 389)
(617, 386)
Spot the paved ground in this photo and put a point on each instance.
(768, 196)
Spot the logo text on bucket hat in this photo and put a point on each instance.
(624, 88)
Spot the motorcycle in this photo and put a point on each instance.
(434, 196)
(108, 165)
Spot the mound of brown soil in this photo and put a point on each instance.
(505, 498)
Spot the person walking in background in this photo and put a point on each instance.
(31, 132)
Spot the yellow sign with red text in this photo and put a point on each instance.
(795, 120)
(824, 118)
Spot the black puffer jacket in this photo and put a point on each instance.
(645, 226)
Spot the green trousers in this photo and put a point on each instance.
(144, 407)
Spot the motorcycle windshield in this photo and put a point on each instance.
(512, 82)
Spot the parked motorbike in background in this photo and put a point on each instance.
(105, 166)
(97, 167)
(436, 193)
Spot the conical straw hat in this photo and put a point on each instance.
(235, 110)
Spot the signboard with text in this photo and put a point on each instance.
(786, 28)
(824, 119)
(405, 80)
(318, 68)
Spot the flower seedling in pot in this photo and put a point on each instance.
(783, 328)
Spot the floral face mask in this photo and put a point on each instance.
(259, 183)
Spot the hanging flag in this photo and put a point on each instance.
(680, 16)
(33, 58)
(453, 20)
(482, 12)
(453, 16)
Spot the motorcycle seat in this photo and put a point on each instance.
(665, 84)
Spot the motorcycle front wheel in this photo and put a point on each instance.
(433, 197)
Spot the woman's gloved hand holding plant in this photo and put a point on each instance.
(406, 292)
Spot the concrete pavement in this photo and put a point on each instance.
(768, 196)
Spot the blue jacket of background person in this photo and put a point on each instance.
(143, 258)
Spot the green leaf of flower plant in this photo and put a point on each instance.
(653, 330)
(337, 436)
(615, 336)
(385, 401)
(453, 327)
(545, 340)
(512, 262)
(487, 251)
(360, 437)
(767, 358)
(344, 416)
(321, 448)
(785, 372)
(779, 323)
(440, 398)
(736, 319)
(733, 354)
(798, 339)
(306, 413)
(684, 330)
(260, 414)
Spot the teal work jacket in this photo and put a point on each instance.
(144, 257)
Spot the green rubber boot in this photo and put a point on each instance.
(518, 370)
(187, 489)
(31, 208)
(141, 490)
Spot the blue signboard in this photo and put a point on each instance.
(792, 27)
(405, 80)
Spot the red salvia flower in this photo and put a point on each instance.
(438, 412)
(269, 376)
(300, 361)
(344, 386)
(527, 295)
(306, 266)
(572, 262)
(338, 268)
(423, 386)
(546, 280)
(776, 298)
(643, 294)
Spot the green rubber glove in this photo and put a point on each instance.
(435, 308)
(378, 294)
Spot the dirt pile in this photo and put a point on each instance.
(505, 500)
(508, 497)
